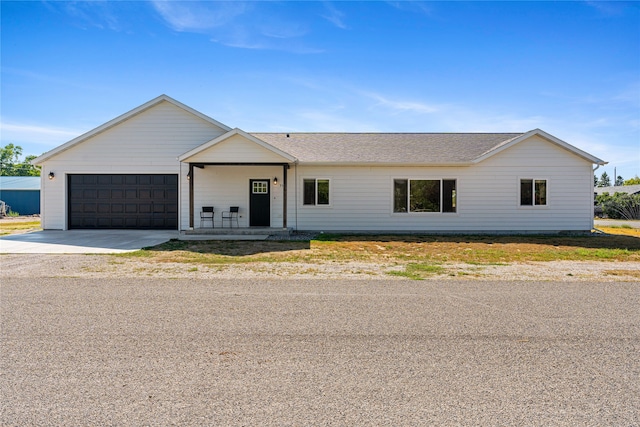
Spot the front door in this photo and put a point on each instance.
(259, 203)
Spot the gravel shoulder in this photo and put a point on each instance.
(107, 266)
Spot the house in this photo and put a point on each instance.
(628, 189)
(157, 165)
(21, 193)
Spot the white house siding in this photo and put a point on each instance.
(488, 195)
(147, 143)
(236, 149)
(225, 186)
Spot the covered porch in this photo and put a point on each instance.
(241, 181)
(243, 196)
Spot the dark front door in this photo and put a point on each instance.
(133, 201)
(259, 203)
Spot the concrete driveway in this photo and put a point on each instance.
(83, 241)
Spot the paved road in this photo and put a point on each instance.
(397, 353)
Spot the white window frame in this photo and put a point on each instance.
(315, 202)
(533, 193)
(264, 187)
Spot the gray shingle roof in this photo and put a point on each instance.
(387, 148)
(629, 189)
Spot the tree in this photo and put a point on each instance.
(633, 181)
(605, 181)
(619, 181)
(595, 180)
(10, 164)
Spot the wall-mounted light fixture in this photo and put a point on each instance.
(51, 175)
(275, 180)
(188, 176)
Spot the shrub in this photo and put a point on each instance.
(620, 205)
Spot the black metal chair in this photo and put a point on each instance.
(231, 215)
(206, 215)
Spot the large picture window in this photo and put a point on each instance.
(316, 191)
(424, 195)
(533, 192)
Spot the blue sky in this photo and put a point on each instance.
(570, 68)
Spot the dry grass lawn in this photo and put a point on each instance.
(18, 225)
(405, 249)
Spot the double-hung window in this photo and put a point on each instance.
(316, 192)
(424, 195)
(533, 192)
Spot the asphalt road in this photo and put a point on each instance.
(295, 353)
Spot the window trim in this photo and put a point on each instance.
(409, 179)
(315, 204)
(533, 194)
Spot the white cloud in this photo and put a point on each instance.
(608, 8)
(421, 7)
(246, 25)
(37, 134)
(401, 106)
(199, 16)
(335, 16)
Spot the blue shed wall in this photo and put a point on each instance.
(25, 202)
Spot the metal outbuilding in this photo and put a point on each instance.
(21, 194)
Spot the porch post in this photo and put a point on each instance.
(191, 178)
(284, 195)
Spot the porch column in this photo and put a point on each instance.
(284, 195)
(191, 178)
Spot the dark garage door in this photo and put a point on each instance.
(123, 201)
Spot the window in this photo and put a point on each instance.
(424, 195)
(316, 191)
(260, 187)
(533, 192)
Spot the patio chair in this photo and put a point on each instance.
(231, 215)
(206, 215)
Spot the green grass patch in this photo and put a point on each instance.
(484, 264)
(417, 271)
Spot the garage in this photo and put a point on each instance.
(123, 201)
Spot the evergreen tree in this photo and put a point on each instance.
(605, 181)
